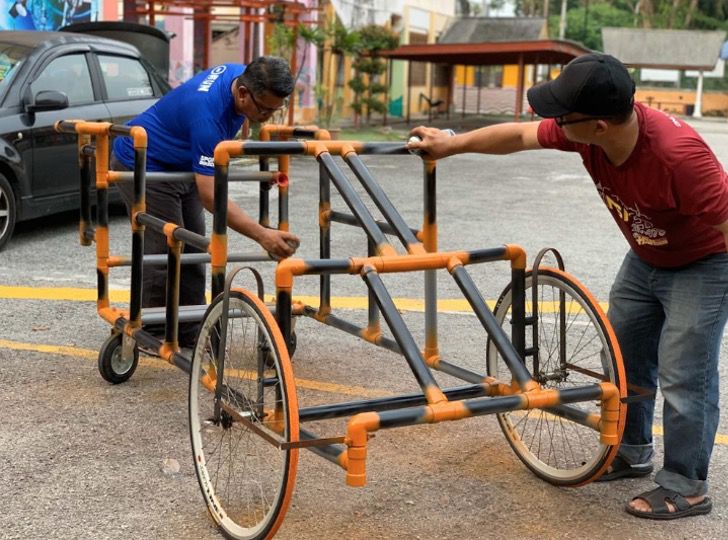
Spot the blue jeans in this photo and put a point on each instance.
(669, 323)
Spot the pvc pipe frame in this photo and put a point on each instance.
(523, 393)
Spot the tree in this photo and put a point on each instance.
(283, 41)
(586, 17)
(368, 69)
(584, 24)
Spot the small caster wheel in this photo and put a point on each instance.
(112, 366)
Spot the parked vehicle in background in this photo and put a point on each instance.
(50, 76)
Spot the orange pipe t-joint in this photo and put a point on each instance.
(168, 230)
(371, 333)
(539, 399)
(285, 270)
(167, 350)
(447, 410)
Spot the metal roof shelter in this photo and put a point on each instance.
(664, 49)
(479, 29)
(483, 41)
(697, 50)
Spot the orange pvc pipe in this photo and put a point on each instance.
(93, 128)
(405, 263)
(218, 250)
(540, 399)
(290, 267)
(102, 161)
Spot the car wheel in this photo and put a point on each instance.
(8, 212)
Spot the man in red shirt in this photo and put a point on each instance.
(668, 194)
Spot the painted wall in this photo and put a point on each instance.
(424, 17)
(46, 14)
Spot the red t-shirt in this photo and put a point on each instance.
(669, 194)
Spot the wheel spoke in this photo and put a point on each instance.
(555, 447)
(245, 480)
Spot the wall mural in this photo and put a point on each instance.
(46, 14)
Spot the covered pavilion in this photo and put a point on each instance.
(488, 42)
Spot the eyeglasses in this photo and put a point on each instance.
(265, 110)
(561, 122)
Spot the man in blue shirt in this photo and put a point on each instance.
(183, 128)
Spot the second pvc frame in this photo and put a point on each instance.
(94, 142)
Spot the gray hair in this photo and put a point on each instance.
(268, 74)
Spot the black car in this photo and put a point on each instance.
(50, 76)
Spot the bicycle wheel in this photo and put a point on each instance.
(555, 448)
(245, 478)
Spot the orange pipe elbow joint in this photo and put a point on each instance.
(609, 426)
(225, 149)
(139, 136)
(516, 255)
(356, 439)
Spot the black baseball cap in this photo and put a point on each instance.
(593, 84)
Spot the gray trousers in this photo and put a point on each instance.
(175, 202)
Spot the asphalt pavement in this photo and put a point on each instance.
(82, 459)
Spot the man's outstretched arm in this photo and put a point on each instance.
(496, 139)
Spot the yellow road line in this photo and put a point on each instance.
(88, 354)
(309, 384)
(51, 349)
(70, 294)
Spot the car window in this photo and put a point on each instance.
(68, 74)
(11, 58)
(125, 78)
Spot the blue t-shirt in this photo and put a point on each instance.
(184, 126)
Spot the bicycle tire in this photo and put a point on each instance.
(556, 449)
(246, 481)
